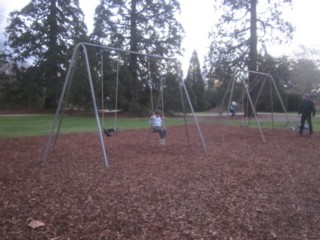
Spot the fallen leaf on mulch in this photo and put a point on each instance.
(35, 224)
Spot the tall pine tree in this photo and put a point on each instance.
(195, 83)
(143, 26)
(43, 33)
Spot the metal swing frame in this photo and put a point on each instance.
(56, 125)
(239, 76)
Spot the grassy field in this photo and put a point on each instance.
(37, 125)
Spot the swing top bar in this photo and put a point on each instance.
(255, 72)
(124, 51)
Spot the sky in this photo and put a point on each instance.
(197, 18)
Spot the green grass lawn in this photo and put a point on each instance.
(37, 125)
(275, 124)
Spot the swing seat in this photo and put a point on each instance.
(157, 129)
(109, 131)
(110, 110)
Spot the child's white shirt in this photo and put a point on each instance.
(156, 121)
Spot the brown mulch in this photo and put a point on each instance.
(241, 189)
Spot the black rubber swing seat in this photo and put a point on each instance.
(109, 131)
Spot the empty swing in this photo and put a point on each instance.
(109, 132)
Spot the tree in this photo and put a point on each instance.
(306, 76)
(312, 54)
(245, 29)
(195, 83)
(280, 69)
(42, 33)
(143, 26)
(4, 65)
(172, 98)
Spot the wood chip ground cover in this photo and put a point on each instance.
(241, 189)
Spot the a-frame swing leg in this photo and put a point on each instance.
(250, 101)
(183, 86)
(67, 84)
(55, 129)
(95, 108)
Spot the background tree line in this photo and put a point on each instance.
(44, 33)
(40, 39)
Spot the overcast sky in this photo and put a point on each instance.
(197, 18)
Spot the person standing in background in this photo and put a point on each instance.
(306, 109)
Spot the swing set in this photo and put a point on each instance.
(240, 77)
(63, 101)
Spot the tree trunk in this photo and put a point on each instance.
(133, 65)
(252, 64)
(51, 57)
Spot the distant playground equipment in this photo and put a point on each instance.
(241, 76)
(81, 48)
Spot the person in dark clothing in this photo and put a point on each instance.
(306, 109)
